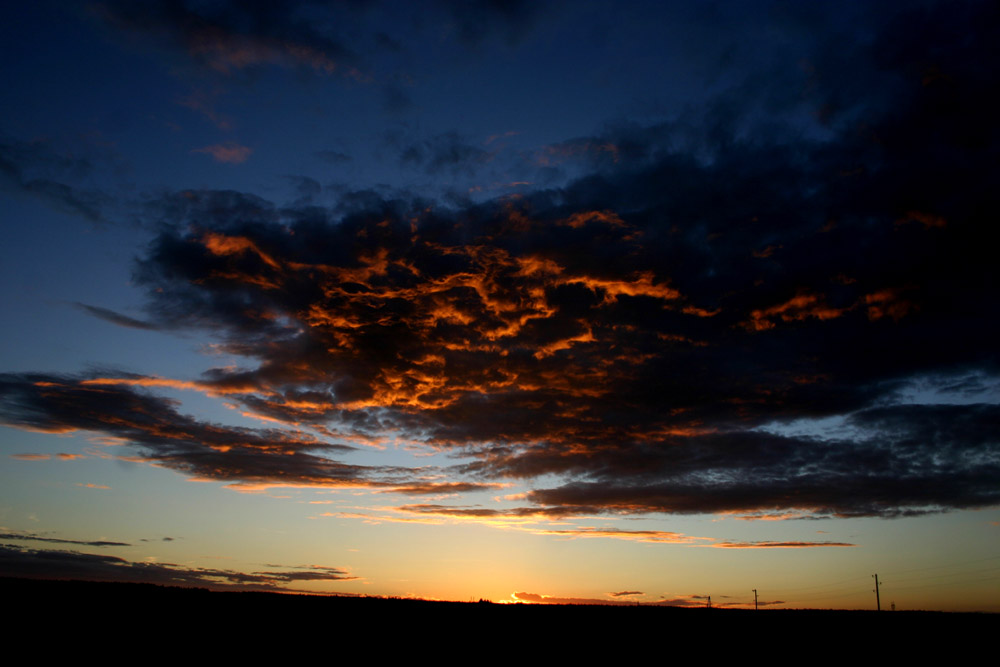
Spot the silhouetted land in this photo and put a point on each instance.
(76, 601)
(88, 609)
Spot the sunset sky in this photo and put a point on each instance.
(540, 301)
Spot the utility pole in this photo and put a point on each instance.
(878, 605)
(755, 599)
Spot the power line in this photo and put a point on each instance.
(948, 583)
(852, 580)
(950, 574)
(938, 567)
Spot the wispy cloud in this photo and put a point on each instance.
(52, 564)
(35, 537)
(115, 318)
(230, 152)
(35, 169)
(229, 37)
(779, 545)
(677, 601)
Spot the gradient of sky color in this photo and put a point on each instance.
(540, 301)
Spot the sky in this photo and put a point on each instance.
(632, 302)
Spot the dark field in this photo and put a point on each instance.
(88, 610)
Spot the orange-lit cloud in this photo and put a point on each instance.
(802, 306)
(888, 303)
(45, 457)
(928, 220)
(766, 252)
(221, 244)
(163, 382)
(639, 285)
(655, 536)
(610, 218)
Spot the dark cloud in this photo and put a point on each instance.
(228, 37)
(33, 168)
(441, 487)
(117, 407)
(51, 564)
(767, 603)
(477, 20)
(779, 545)
(307, 189)
(386, 42)
(549, 599)
(229, 152)
(553, 339)
(115, 318)
(620, 594)
(55, 540)
(395, 99)
(323, 38)
(429, 509)
(594, 152)
(886, 471)
(447, 152)
(536, 598)
(333, 157)
(651, 332)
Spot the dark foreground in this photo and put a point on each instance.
(251, 622)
